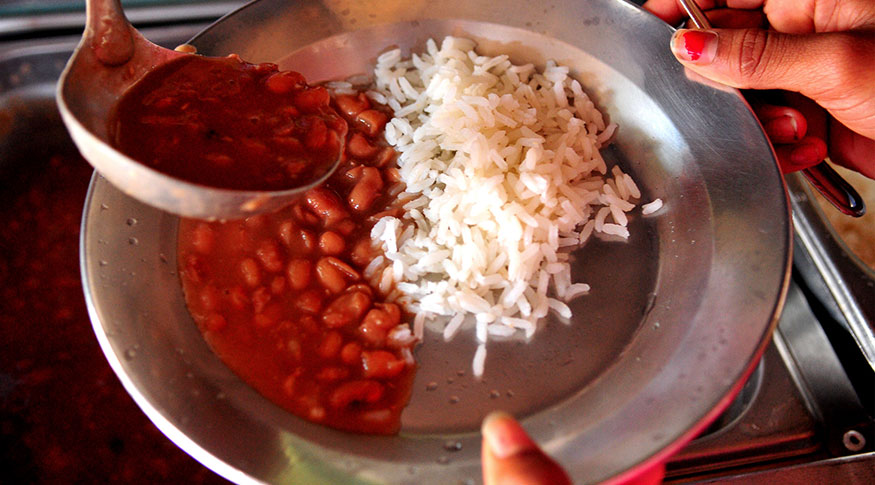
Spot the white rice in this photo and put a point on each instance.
(502, 170)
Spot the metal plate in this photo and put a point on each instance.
(676, 321)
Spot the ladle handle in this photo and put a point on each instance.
(822, 177)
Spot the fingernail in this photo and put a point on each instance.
(784, 128)
(695, 46)
(505, 436)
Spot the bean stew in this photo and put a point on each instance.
(283, 299)
(225, 123)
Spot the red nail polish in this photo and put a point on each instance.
(696, 46)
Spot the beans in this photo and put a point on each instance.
(346, 269)
(346, 309)
(269, 255)
(359, 146)
(362, 253)
(331, 344)
(203, 238)
(364, 391)
(284, 82)
(278, 285)
(332, 374)
(351, 353)
(386, 156)
(299, 273)
(269, 316)
(215, 322)
(331, 243)
(309, 301)
(317, 134)
(210, 298)
(251, 272)
(327, 204)
(312, 100)
(260, 297)
(350, 105)
(371, 121)
(366, 190)
(329, 276)
(238, 298)
(381, 364)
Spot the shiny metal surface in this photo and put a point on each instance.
(676, 321)
(111, 57)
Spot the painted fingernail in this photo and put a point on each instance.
(505, 436)
(695, 46)
(782, 129)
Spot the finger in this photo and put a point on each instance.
(820, 66)
(851, 150)
(511, 457)
(731, 18)
(805, 153)
(782, 124)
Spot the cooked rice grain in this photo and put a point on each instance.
(502, 169)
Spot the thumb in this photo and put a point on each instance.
(763, 59)
(511, 457)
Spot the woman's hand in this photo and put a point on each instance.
(510, 457)
(814, 71)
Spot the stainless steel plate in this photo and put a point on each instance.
(676, 321)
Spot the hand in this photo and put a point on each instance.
(511, 457)
(819, 56)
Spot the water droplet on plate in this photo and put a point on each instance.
(443, 460)
(131, 221)
(133, 241)
(454, 399)
(453, 446)
(431, 386)
(103, 262)
(495, 394)
(130, 354)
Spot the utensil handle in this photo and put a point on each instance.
(835, 189)
(109, 31)
(822, 177)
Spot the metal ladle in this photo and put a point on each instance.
(111, 57)
(824, 178)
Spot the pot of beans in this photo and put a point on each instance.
(525, 217)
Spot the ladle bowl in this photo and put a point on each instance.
(110, 58)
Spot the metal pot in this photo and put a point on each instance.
(676, 321)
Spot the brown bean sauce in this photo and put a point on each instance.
(224, 123)
(281, 297)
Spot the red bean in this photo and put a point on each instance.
(346, 309)
(330, 345)
(351, 353)
(269, 316)
(346, 269)
(251, 272)
(299, 273)
(385, 158)
(379, 318)
(290, 382)
(287, 232)
(371, 121)
(350, 105)
(284, 82)
(278, 285)
(260, 297)
(331, 243)
(327, 204)
(362, 253)
(215, 322)
(269, 255)
(366, 190)
(317, 134)
(195, 269)
(392, 175)
(364, 391)
(359, 147)
(203, 238)
(329, 276)
(345, 227)
(332, 374)
(309, 301)
(210, 298)
(238, 298)
(381, 364)
(372, 334)
(312, 100)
